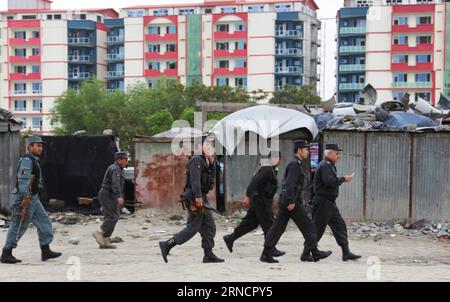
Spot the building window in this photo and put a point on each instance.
(397, 95)
(241, 63)
(228, 10)
(171, 65)
(423, 77)
(187, 11)
(223, 64)
(171, 29)
(208, 10)
(83, 16)
(423, 95)
(20, 35)
(29, 17)
(154, 30)
(135, 13)
(161, 12)
(222, 46)
(154, 48)
(240, 82)
(222, 28)
(424, 20)
(400, 77)
(255, 8)
(152, 83)
(423, 59)
(171, 47)
(153, 65)
(400, 20)
(240, 27)
(240, 45)
(57, 17)
(400, 59)
(401, 40)
(37, 105)
(20, 88)
(49, 17)
(423, 39)
(222, 81)
(20, 105)
(20, 69)
(20, 52)
(36, 51)
(36, 69)
(282, 8)
(37, 88)
(35, 34)
(37, 123)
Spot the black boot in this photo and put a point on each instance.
(278, 253)
(347, 255)
(267, 257)
(211, 258)
(48, 254)
(306, 255)
(8, 258)
(317, 255)
(165, 247)
(229, 241)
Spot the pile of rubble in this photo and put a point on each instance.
(385, 115)
(420, 228)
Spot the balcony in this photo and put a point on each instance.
(359, 30)
(219, 53)
(227, 71)
(18, 92)
(79, 75)
(295, 33)
(352, 68)
(24, 77)
(115, 39)
(412, 85)
(224, 35)
(418, 29)
(417, 48)
(23, 42)
(115, 57)
(157, 55)
(80, 59)
(288, 69)
(165, 37)
(83, 41)
(288, 52)
(114, 74)
(352, 49)
(351, 86)
(157, 73)
(417, 67)
(29, 59)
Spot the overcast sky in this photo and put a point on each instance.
(328, 9)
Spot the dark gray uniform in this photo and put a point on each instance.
(261, 190)
(293, 183)
(112, 189)
(325, 211)
(200, 180)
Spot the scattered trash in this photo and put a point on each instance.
(239, 214)
(125, 211)
(160, 231)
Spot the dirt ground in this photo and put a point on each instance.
(138, 258)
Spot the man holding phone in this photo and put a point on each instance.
(326, 190)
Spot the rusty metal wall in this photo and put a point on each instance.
(406, 175)
(431, 176)
(9, 157)
(350, 201)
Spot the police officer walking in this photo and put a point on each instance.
(199, 181)
(326, 190)
(26, 206)
(291, 207)
(111, 198)
(259, 199)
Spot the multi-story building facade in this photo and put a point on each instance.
(396, 46)
(257, 45)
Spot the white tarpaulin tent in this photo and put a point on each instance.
(180, 132)
(266, 121)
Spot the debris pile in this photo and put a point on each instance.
(420, 228)
(390, 115)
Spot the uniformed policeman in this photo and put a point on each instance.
(292, 207)
(259, 199)
(199, 181)
(111, 198)
(26, 206)
(326, 190)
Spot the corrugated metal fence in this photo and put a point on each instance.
(397, 175)
(9, 156)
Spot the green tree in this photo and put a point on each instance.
(295, 95)
(159, 122)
